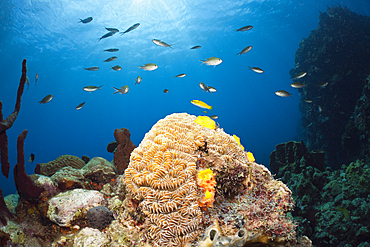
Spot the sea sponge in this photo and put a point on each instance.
(205, 122)
(206, 180)
(162, 175)
(48, 169)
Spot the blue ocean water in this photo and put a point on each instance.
(58, 47)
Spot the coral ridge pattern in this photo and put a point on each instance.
(162, 176)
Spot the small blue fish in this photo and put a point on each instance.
(131, 28)
(86, 20)
(106, 35)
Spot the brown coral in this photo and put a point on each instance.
(5, 124)
(162, 175)
(48, 169)
(123, 149)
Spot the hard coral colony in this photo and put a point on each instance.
(167, 176)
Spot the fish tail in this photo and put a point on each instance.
(211, 107)
(100, 87)
(202, 62)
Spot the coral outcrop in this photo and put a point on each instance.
(5, 124)
(327, 110)
(48, 169)
(162, 178)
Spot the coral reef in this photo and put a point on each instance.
(9, 121)
(99, 217)
(182, 180)
(320, 194)
(161, 178)
(123, 150)
(340, 33)
(48, 169)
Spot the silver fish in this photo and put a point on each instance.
(212, 61)
(110, 59)
(203, 86)
(245, 50)
(299, 75)
(112, 50)
(256, 69)
(112, 29)
(86, 20)
(46, 99)
(131, 28)
(92, 88)
(116, 68)
(180, 75)
(246, 28)
(211, 89)
(121, 90)
(283, 93)
(94, 68)
(137, 80)
(80, 106)
(298, 84)
(149, 67)
(161, 43)
(106, 35)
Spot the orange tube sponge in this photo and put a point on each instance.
(207, 181)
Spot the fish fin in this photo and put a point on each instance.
(202, 62)
(211, 107)
(100, 87)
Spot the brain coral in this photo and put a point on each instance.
(163, 171)
(48, 169)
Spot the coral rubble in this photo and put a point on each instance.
(5, 124)
(331, 122)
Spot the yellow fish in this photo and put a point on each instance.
(238, 141)
(205, 122)
(201, 104)
(345, 212)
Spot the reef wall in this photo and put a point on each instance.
(336, 57)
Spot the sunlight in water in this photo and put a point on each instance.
(153, 8)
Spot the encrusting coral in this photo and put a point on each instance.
(162, 180)
(48, 169)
